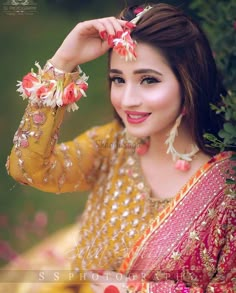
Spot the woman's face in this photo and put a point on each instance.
(145, 93)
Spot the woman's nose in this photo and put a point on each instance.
(131, 97)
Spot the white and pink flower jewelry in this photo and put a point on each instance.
(124, 45)
(53, 88)
(182, 161)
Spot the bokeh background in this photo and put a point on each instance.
(28, 215)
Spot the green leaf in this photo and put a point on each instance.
(230, 128)
(234, 168)
(233, 157)
(230, 181)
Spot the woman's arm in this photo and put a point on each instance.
(35, 159)
(38, 161)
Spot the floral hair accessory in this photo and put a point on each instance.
(124, 45)
(140, 12)
(53, 88)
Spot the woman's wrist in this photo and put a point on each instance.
(62, 64)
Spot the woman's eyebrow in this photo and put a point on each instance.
(138, 71)
(147, 70)
(115, 71)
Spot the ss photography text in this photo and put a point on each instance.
(54, 276)
(19, 7)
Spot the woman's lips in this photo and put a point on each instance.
(134, 117)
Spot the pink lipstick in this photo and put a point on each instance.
(135, 117)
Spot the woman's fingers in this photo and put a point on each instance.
(88, 41)
(102, 27)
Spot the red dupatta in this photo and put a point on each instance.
(167, 247)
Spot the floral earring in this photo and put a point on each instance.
(182, 161)
(143, 146)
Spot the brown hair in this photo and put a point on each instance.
(186, 48)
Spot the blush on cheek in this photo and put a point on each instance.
(115, 102)
(161, 101)
(117, 107)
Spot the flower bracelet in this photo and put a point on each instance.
(53, 88)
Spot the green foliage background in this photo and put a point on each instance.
(26, 39)
(218, 20)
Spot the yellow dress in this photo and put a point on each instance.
(101, 160)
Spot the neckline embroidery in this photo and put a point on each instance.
(155, 204)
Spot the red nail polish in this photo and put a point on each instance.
(103, 35)
(130, 25)
(119, 34)
(110, 40)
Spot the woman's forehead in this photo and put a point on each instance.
(147, 57)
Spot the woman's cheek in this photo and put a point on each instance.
(161, 100)
(115, 101)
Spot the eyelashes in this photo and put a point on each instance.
(116, 79)
(149, 80)
(143, 80)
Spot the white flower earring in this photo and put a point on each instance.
(182, 161)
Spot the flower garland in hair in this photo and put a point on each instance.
(124, 45)
(53, 88)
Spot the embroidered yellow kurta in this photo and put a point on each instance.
(119, 207)
(101, 160)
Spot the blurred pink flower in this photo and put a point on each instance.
(40, 219)
(6, 251)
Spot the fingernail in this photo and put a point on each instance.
(119, 34)
(110, 40)
(103, 35)
(130, 25)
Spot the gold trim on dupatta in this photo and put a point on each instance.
(164, 214)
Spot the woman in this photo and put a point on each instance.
(160, 216)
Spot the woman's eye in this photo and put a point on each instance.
(117, 79)
(149, 80)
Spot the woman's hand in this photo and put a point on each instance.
(99, 282)
(87, 41)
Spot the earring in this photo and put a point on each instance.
(182, 161)
(143, 146)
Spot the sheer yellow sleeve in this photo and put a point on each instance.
(37, 160)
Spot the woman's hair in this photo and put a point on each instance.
(187, 50)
